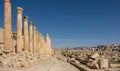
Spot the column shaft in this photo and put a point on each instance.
(34, 49)
(37, 39)
(7, 26)
(19, 30)
(31, 36)
(40, 52)
(26, 37)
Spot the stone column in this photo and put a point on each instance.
(39, 42)
(48, 40)
(48, 43)
(7, 26)
(42, 48)
(26, 37)
(19, 29)
(34, 43)
(31, 36)
(37, 39)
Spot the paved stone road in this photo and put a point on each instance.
(52, 64)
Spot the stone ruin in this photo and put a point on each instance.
(24, 47)
(88, 60)
(97, 62)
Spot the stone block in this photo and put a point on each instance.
(95, 56)
(103, 63)
(115, 65)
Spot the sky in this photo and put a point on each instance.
(72, 23)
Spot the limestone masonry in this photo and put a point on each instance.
(24, 47)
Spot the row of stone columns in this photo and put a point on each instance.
(32, 38)
(29, 41)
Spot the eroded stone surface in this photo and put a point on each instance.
(19, 30)
(23, 47)
(7, 26)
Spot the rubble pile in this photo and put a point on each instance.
(93, 59)
(19, 60)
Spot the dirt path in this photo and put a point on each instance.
(51, 64)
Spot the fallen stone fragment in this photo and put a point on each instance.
(103, 64)
(95, 56)
(114, 65)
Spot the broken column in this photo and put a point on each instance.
(34, 40)
(19, 29)
(31, 36)
(7, 26)
(26, 37)
(95, 55)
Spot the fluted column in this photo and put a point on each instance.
(26, 37)
(7, 26)
(19, 29)
(34, 43)
(31, 36)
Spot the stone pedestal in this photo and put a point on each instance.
(7, 26)
(26, 37)
(19, 29)
(31, 36)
